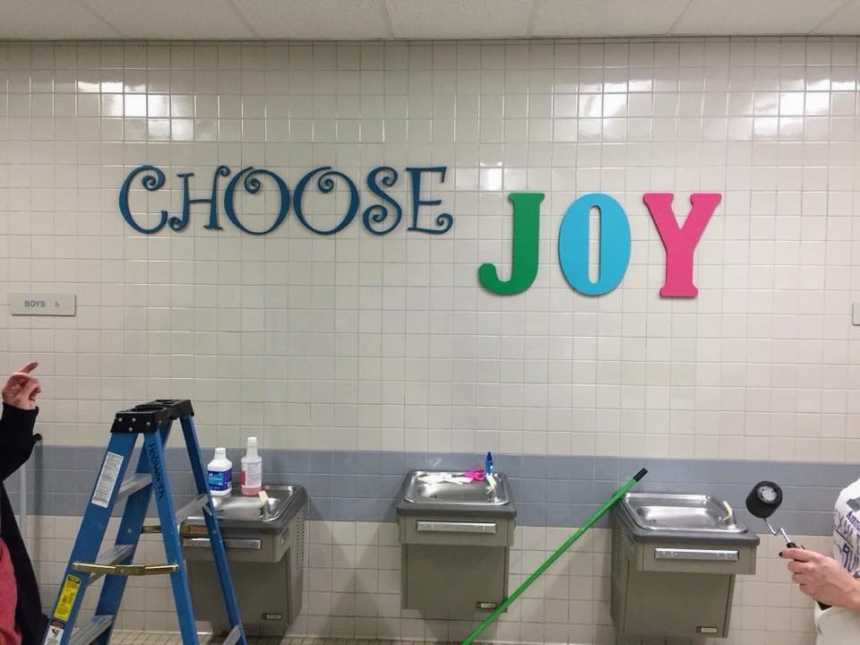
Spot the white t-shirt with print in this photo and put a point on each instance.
(846, 529)
(838, 626)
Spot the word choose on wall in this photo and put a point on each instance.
(378, 219)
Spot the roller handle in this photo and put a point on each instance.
(792, 545)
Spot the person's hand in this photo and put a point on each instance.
(22, 388)
(823, 578)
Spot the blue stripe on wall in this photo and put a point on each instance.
(548, 490)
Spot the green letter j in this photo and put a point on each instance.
(524, 263)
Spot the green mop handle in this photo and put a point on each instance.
(537, 573)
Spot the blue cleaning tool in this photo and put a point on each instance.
(488, 464)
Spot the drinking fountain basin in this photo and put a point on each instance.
(447, 488)
(680, 513)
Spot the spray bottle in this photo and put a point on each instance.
(252, 469)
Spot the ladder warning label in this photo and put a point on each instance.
(107, 479)
(66, 600)
(54, 635)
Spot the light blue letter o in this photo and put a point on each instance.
(573, 241)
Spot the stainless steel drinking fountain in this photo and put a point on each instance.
(265, 548)
(674, 562)
(455, 539)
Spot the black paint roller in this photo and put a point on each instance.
(762, 502)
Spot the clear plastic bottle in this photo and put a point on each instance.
(252, 469)
(220, 474)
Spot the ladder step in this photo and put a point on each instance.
(234, 636)
(97, 626)
(116, 554)
(133, 484)
(196, 504)
(126, 569)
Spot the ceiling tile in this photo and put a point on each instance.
(418, 19)
(50, 19)
(753, 17)
(442, 19)
(567, 18)
(185, 19)
(325, 19)
(846, 21)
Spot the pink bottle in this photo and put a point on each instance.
(252, 469)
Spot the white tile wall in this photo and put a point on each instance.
(357, 342)
(352, 589)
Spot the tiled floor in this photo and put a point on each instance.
(155, 638)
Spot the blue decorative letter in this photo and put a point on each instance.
(378, 213)
(573, 244)
(150, 182)
(252, 185)
(326, 184)
(443, 220)
(178, 223)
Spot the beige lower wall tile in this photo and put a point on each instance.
(352, 589)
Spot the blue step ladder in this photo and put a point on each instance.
(87, 564)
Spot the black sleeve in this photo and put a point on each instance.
(16, 438)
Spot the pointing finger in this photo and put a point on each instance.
(32, 388)
(29, 367)
(19, 380)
